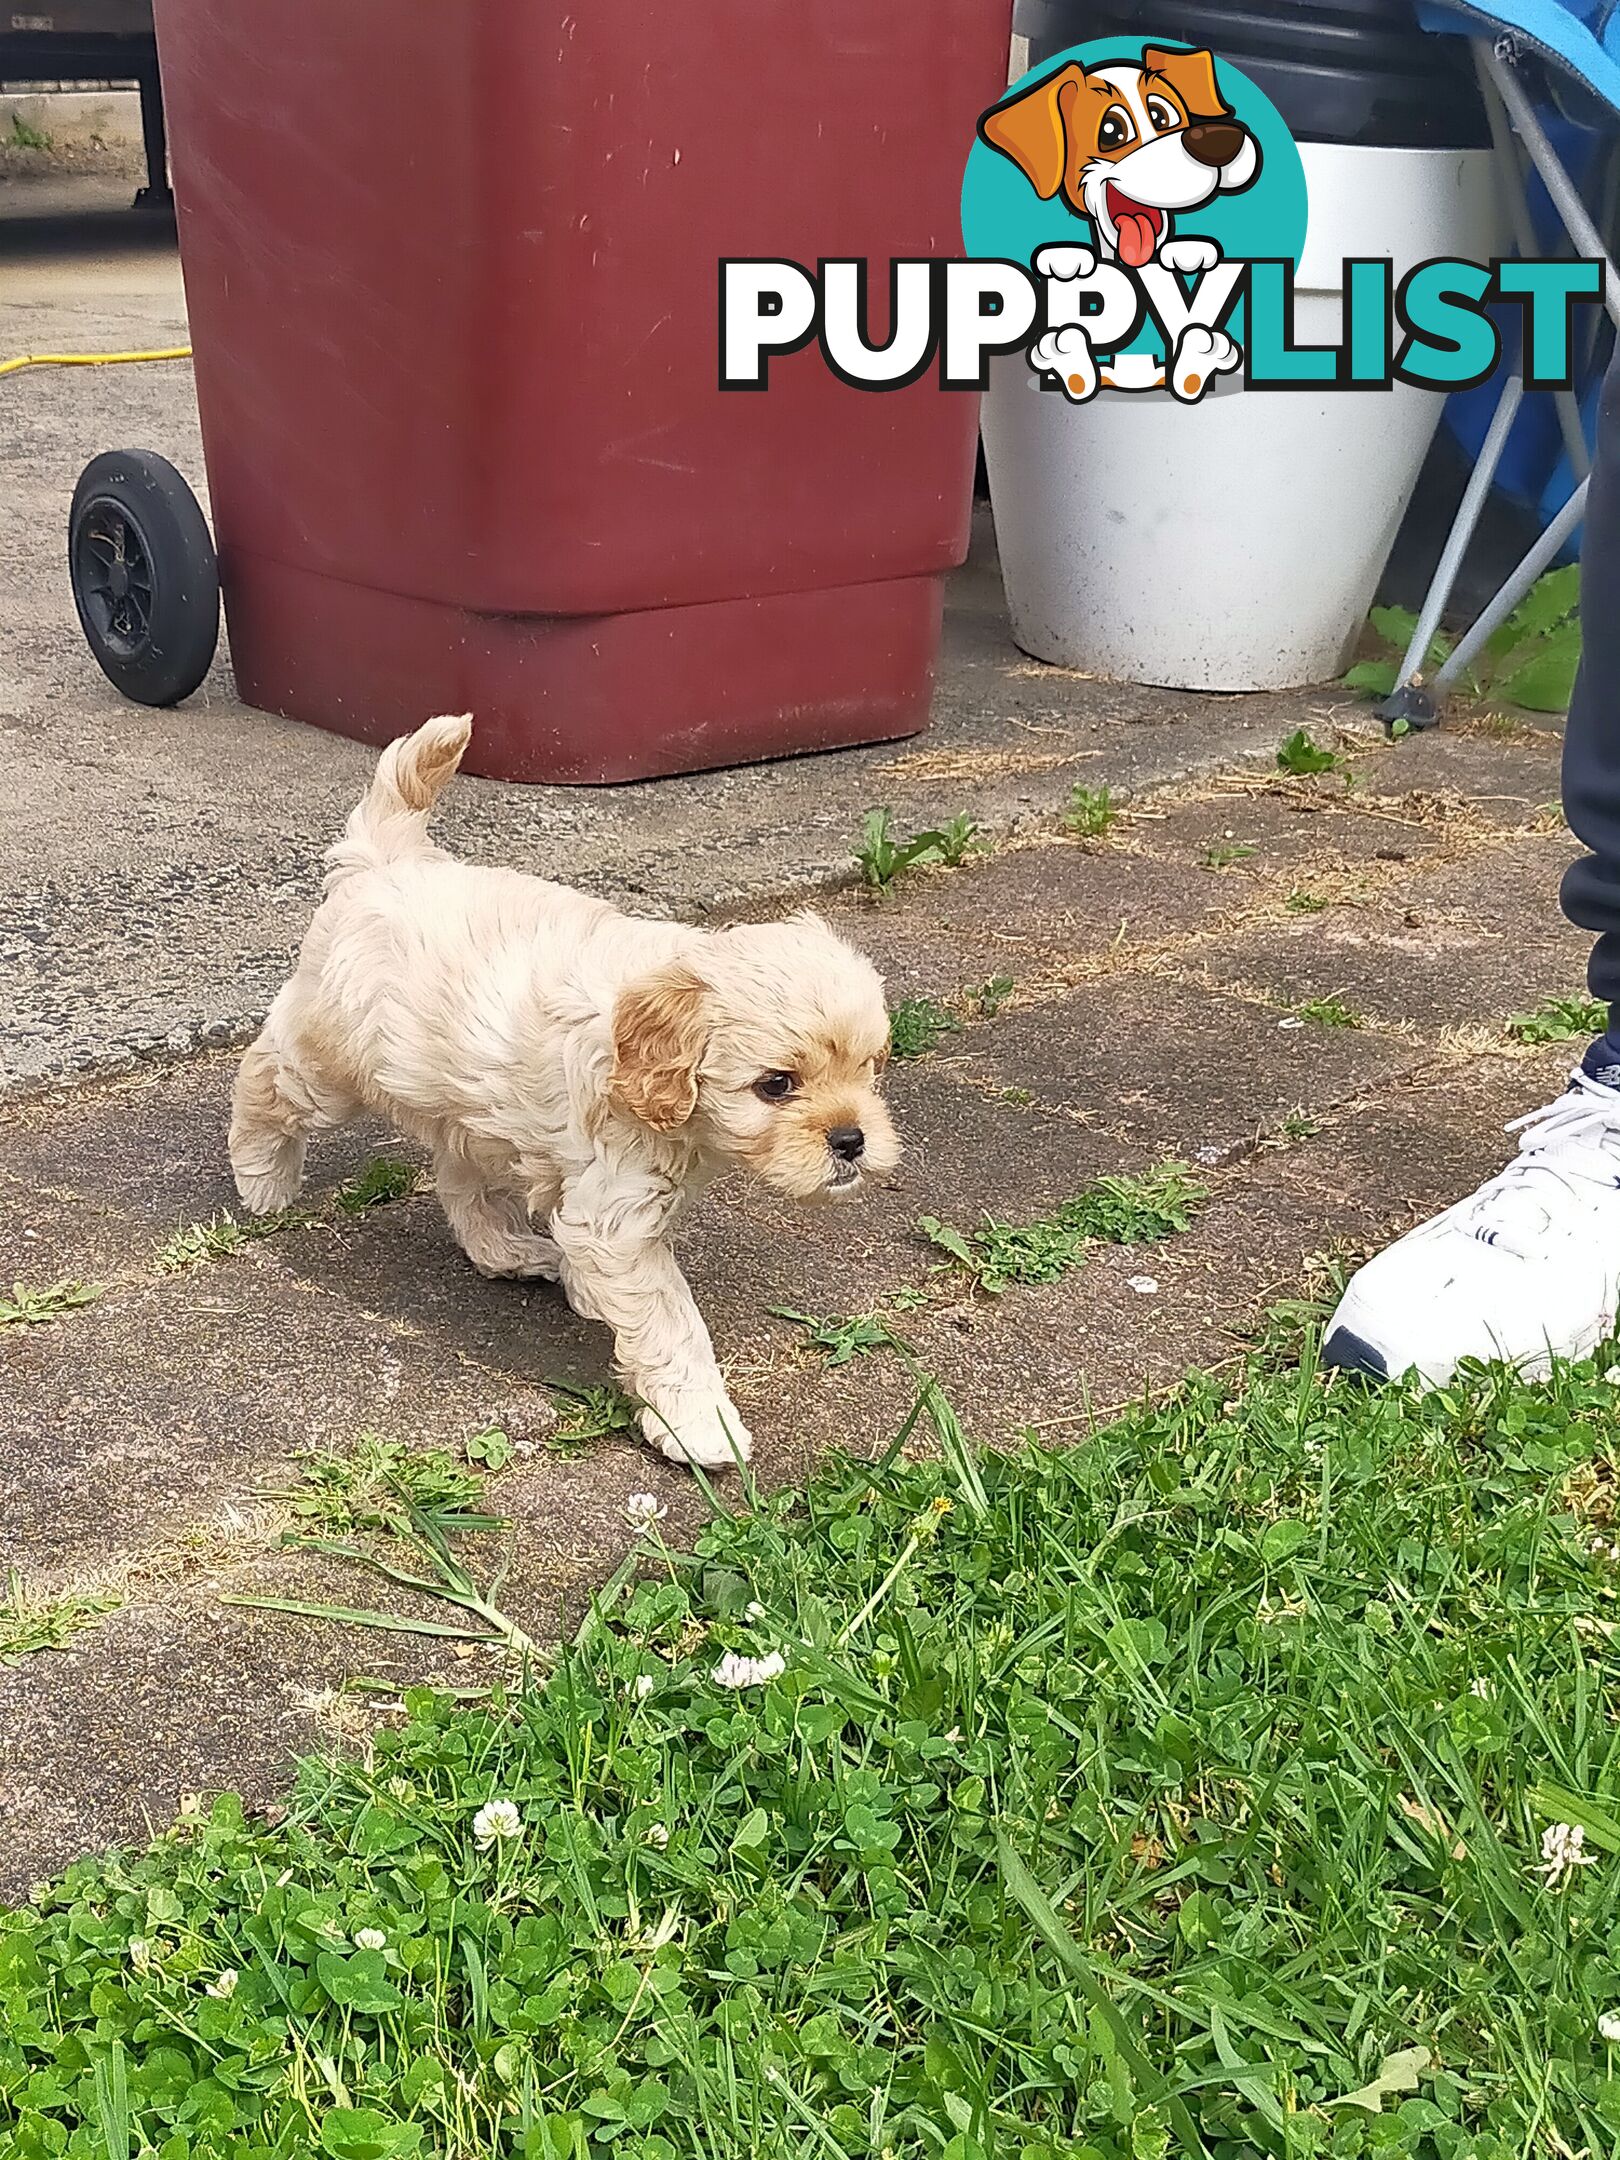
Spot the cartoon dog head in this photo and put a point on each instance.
(1126, 145)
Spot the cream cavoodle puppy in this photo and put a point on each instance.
(577, 1072)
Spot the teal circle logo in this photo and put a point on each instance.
(1125, 145)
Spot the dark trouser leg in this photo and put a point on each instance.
(1591, 890)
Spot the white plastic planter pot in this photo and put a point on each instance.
(1235, 544)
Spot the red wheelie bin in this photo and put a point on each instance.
(452, 273)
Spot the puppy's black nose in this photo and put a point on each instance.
(847, 1142)
(1213, 142)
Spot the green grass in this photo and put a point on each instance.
(31, 1305)
(1182, 1793)
(1115, 1211)
(1300, 902)
(1330, 1012)
(1091, 811)
(1560, 1020)
(916, 1024)
(384, 1179)
(34, 1620)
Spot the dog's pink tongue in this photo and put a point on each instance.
(1136, 230)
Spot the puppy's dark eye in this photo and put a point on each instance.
(1116, 129)
(776, 1087)
(1162, 115)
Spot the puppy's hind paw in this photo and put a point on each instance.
(1066, 353)
(512, 1255)
(701, 1429)
(1201, 355)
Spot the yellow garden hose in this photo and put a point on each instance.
(90, 359)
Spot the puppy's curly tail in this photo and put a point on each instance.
(389, 823)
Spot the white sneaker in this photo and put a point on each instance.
(1524, 1270)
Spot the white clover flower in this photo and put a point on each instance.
(140, 1953)
(643, 1510)
(370, 1939)
(754, 1610)
(1609, 2026)
(495, 1820)
(643, 1686)
(1562, 1852)
(656, 1833)
(664, 1930)
(224, 1987)
(1613, 1376)
(1482, 1688)
(737, 1671)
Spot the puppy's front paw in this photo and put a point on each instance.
(1064, 263)
(1189, 257)
(698, 1428)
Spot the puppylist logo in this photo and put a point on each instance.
(1133, 217)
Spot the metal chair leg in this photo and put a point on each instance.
(1497, 611)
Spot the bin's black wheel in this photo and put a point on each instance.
(145, 579)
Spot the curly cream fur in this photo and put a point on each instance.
(577, 1073)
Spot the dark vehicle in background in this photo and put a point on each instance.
(50, 41)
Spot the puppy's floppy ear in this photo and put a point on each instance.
(660, 1031)
(1033, 129)
(1191, 75)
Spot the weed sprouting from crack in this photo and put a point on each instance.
(1091, 811)
(1300, 754)
(372, 1487)
(842, 1338)
(916, 1024)
(589, 1412)
(384, 1180)
(1144, 1209)
(1328, 1012)
(224, 1237)
(1558, 1020)
(882, 857)
(28, 1306)
(408, 1506)
(33, 1620)
(1222, 854)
